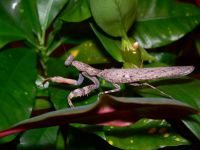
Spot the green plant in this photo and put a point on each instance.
(101, 33)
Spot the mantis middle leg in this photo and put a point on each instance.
(117, 88)
(84, 90)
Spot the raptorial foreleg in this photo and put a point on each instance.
(153, 87)
(58, 79)
(83, 91)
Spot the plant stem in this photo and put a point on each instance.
(53, 47)
(42, 51)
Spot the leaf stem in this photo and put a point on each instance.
(53, 47)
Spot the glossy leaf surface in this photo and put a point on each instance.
(112, 46)
(17, 86)
(145, 134)
(48, 10)
(186, 91)
(88, 52)
(114, 17)
(44, 138)
(159, 23)
(76, 11)
(17, 19)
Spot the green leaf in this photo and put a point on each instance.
(39, 139)
(198, 46)
(115, 17)
(48, 10)
(77, 139)
(183, 90)
(155, 133)
(59, 97)
(108, 110)
(112, 46)
(7, 39)
(145, 134)
(162, 22)
(41, 104)
(60, 143)
(193, 124)
(18, 73)
(29, 11)
(17, 19)
(145, 55)
(76, 11)
(131, 54)
(165, 57)
(88, 52)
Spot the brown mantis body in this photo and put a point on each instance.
(117, 76)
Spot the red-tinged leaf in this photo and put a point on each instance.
(108, 110)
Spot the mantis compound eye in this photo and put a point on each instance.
(69, 60)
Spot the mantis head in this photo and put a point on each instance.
(69, 60)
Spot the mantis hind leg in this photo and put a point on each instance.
(84, 90)
(153, 87)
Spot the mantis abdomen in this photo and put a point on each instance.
(142, 74)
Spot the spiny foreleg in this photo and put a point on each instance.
(83, 91)
(153, 87)
(58, 79)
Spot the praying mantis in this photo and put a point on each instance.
(116, 77)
